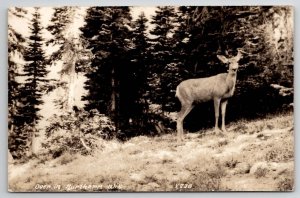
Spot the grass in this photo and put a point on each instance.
(231, 163)
(202, 162)
(285, 181)
(261, 172)
(286, 184)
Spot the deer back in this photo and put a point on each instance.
(202, 89)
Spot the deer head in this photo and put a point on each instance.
(232, 62)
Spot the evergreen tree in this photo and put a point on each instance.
(97, 76)
(35, 73)
(137, 86)
(107, 31)
(15, 49)
(60, 22)
(162, 67)
(70, 50)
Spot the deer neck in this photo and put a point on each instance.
(231, 80)
(231, 74)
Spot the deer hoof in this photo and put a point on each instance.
(217, 131)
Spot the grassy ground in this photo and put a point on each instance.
(251, 156)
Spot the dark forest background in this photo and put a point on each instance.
(132, 73)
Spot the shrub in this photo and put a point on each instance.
(281, 151)
(260, 172)
(222, 142)
(285, 181)
(209, 180)
(66, 158)
(286, 184)
(231, 163)
(78, 132)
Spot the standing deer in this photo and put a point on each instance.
(217, 88)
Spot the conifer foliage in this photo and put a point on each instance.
(31, 91)
(70, 50)
(108, 33)
(15, 49)
(35, 72)
(137, 80)
(162, 56)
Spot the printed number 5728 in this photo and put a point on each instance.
(183, 186)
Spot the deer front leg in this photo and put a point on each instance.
(185, 109)
(223, 109)
(217, 109)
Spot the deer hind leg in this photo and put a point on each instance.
(185, 109)
(223, 108)
(217, 110)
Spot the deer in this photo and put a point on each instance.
(218, 88)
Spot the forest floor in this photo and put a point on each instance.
(251, 156)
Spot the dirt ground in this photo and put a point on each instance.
(251, 156)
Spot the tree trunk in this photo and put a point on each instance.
(34, 142)
(113, 92)
(71, 91)
(114, 99)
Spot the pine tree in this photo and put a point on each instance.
(15, 49)
(60, 22)
(163, 66)
(35, 74)
(70, 50)
(137, 86)
(107, 31)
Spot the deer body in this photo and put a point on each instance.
(205, 89)
(217, 88)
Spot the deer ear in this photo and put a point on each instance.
(239, 55)
(222, 58)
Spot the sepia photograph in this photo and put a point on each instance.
(150, 99)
